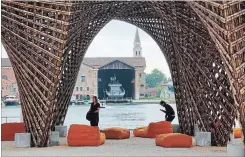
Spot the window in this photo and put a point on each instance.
(87, 88)
(81, 88)
(81, 97)
(83, 78)
(76, 88)
(88, 97)
(5, 77)
(77, 96)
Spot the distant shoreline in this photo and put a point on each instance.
(145, 101)
(141, 101)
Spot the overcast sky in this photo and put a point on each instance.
(116, 40)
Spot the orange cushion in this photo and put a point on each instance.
(9, 130)
(84, 135)
(237, 132)
(102, 138)
(157, 128)
(153, 129)
(116, 133)
(140, 132)
(174, 140)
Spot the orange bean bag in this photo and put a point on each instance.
(140, 132)
(174, 140)
(237, 132)
(116, 133)
(84, 135)
(102, 138)
(153, 129)
(9, 130)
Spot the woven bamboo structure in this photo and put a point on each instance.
(203, 43)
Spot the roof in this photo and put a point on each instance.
(166, 84)
(148, 90)
(6, 62)
(97, 62)
(102, 61)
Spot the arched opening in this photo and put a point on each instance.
(202, 98)
(112, 54)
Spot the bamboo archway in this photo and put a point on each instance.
(203, 43)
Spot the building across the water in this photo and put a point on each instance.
(9, 85)
(167, 90)
(94, 76)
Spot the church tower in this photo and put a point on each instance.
(137, 45)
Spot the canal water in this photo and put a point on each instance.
(128, 116)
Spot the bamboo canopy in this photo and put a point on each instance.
(203, 43)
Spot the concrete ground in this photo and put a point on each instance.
(127, 147)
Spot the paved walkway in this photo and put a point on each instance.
(128, 147)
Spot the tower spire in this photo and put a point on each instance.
(137, 37)
(137, 45)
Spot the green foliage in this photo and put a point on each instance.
(169, 79)
(155, 77)
(159, 89)
(84, 97)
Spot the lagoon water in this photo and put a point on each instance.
(128, 116)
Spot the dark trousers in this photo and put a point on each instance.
(169, 118)
(94, 121)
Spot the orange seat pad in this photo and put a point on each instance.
(84, 135)
(9, 130)
(174, 140)
(153, 129)
(116, 133)
(237, 132)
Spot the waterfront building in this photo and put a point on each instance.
(166, 90)
(95, 73)
(151, 92)
(9, 85)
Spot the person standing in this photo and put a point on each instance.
(169, 111)
(94, 111)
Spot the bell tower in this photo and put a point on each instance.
(137, 45)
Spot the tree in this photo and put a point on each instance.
(169, 79)
(159, 89)
(155, 77)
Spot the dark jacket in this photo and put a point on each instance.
(169, 110)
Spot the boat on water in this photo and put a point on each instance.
(11, 100)
(103, 105)
(116, 90)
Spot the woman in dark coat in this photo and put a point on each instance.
(94, 109)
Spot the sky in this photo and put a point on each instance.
(116, 40)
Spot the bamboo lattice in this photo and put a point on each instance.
(203, 43)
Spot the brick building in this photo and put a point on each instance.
(9, 85)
